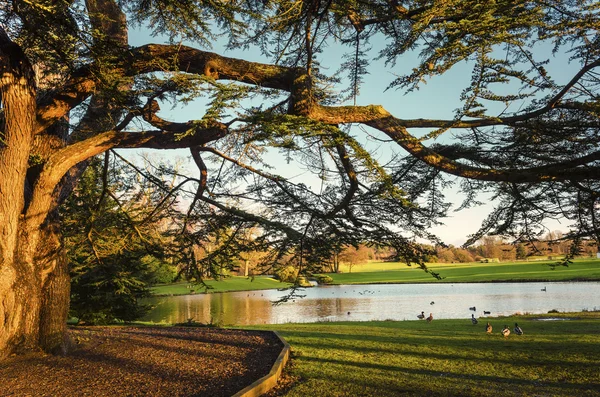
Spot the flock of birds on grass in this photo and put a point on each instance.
(488, 328)
(422, 316)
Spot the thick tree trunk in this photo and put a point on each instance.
(50, 256)
(54, 309)
(21, 304)
(35, 303)
(20, 295)
(34, 289)
(20, 290)
(53, 286)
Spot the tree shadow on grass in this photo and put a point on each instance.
(486, 346)
(392, 378)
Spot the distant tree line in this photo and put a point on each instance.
(553, 245)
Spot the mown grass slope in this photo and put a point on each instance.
(394, 272)
(225, 285)
(445, 358)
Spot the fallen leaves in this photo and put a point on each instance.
(145, 361)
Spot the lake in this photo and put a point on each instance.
(377, 302)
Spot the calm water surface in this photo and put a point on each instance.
(377, 302)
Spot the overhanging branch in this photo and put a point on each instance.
(379, 118)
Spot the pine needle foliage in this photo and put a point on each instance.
(115, 244)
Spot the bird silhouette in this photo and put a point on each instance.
(505, 331)
(421, 316)
(544, 289)
(488, 328)
(432, 303)
(518, 329)
(484, 312)
(473, 308)
(430, 318)
(473, 319)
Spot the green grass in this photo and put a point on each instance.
(444, 358)
(386, 272)
(396, 272)
(225, 285)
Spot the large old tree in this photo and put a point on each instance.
(72, 87)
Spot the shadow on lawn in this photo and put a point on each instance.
(454, 383)
(393, 357)
(431, 348)
(540, 346)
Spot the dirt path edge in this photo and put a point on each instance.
(267, 382)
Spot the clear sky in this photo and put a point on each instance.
(438, 98)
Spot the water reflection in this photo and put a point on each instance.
(221, 308)
(377, 302)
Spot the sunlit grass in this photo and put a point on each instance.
(395, 272)
(446, 357)
(225, 285)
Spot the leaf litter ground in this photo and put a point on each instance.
(145, 361)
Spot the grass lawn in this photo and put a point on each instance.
(394, 272)
(227, 284)
(445, 358)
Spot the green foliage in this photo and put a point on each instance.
(35, 160)
(158, 271)
(229, 284)
(108, 292)
(323, 279)
(302, 281)
(187, 19)
(287, 274)
(114, 256)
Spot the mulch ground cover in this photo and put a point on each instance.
(145, 361)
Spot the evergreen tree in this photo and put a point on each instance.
(114, 242)
(73, 87)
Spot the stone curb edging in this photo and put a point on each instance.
(267, 382)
